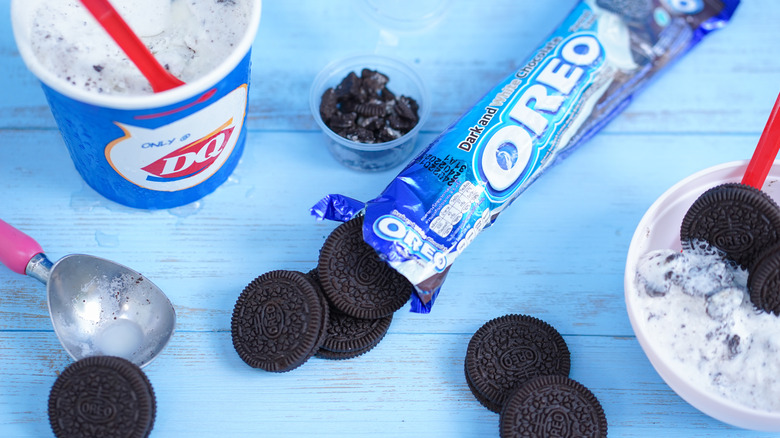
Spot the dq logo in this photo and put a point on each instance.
(166, 158)
(190, 159)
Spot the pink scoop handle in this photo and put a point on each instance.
(16, 248)
(766, 151)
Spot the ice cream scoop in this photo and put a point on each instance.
(97, 307)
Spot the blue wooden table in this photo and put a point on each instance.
(557, 254)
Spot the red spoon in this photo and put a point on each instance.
(160, 78)
(766, 151)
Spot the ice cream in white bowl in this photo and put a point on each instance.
(712, 347)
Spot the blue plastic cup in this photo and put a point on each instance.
(153, 151)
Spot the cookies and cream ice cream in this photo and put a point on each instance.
(189, 38)
(696, 310)
(133, 146)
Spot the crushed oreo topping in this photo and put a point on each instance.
(362, 109)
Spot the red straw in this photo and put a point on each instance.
(160, 78)
(766, 151)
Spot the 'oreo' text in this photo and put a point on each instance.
(393, 229)
(505, 156)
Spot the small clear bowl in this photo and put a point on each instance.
(404, 80)
(659, 228)
(405, 15)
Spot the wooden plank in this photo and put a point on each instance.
(558, 253)
(727, 84)
(410, 385)
(564, 239)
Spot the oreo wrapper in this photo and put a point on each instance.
(582, 76)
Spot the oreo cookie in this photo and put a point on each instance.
(279, 321)
(314, 279)
(484, 401)
(323, 353)
(102, 396)
(353, 277)
(347, 337)
(764, 281)
(350, 337)
(552, 406)
(740, 220)
(510, 350)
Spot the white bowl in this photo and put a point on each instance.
(659, 228)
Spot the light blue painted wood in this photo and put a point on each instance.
(724, 85)
(557, 253)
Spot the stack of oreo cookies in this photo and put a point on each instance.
(744, 223)
(518, 366)
(339, 310)
(349, 336)
(102, 396)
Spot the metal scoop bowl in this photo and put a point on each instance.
(97, 307)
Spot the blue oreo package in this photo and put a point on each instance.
(581, 77)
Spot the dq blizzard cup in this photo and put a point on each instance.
(150, 150)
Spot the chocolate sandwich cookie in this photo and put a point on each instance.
(764, 281)
(484, 401)
(353, 277)
(279, 321)
(342, 355)
(350, 337)
(737, 219)
(347, 337)
(102, 397)
(314, 279)
(507, 352)
(553, 406)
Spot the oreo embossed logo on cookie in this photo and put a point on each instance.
(554, 406)
(737, 219)
(279, 321)
(102, 396)
(353, 277)
(510, 350)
